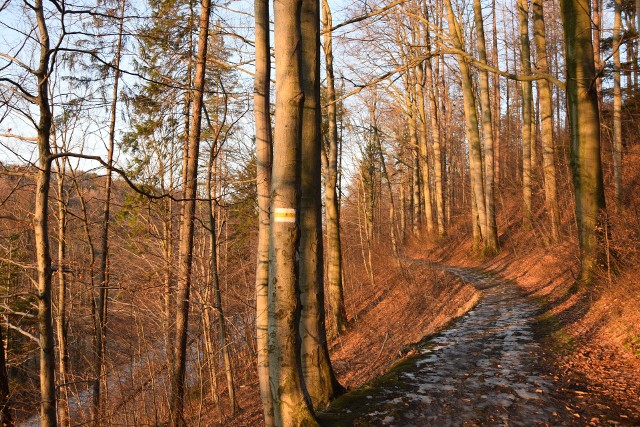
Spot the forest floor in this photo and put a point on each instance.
(482, 370)
(589, 337)
(527, 349)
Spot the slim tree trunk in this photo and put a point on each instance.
(187, 226)
(426, 178)
(334, 244)
(61, 316)
(103, 271)
(6, 420)
(525, 64)
(546, 119)
(584, 122)
(471, 129)
(496, 99)
(436, 138)
(261, 107)
(491, 237)
(41, 226)
(415, 170)
(291, 405)
(617, 106)
(215, 281)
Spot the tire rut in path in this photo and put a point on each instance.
(480, 371)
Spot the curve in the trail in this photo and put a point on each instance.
(481, 371)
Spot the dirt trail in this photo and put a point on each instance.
(480, 371)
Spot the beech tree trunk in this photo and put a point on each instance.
(525, 130)
(290, 403)
(261, 105)
(187, 226)
(334, 243)
(546, 120)
(423, 137)
(319, 378)
(584, 122)
(491, 237)
(472, 132)
(617, 106)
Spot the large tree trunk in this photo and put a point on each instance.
(290, 404)
(334, 244)
(584, 121)
(546, 119)
(319, 378)
(187, 226)
(261, 104)
(491, 237)
(525, 64)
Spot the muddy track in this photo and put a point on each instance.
(482, 371)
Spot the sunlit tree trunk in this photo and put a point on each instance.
(415, 163)
(261, 105)
(187, 227)
(472, 132)
(41, 225)
(334, 244)
(291, 405)
(423, 137)
(496, 99)
(61, 315)
(617, 105)
(491, 237)
(546, 120)
(584, 122)
(525, 65)
(436, 137)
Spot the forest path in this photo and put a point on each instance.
(480, 371)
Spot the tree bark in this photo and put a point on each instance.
(317, 371)
(584, 122)
(525, 64)
(103, 271)
(546, 120)
(423, 137)
(617, 106)
(41, 226)
(61, 315)
(187, 226)
(261, 105)
(472, 132)
(334, 243)
(491, 237)
(290, 403)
